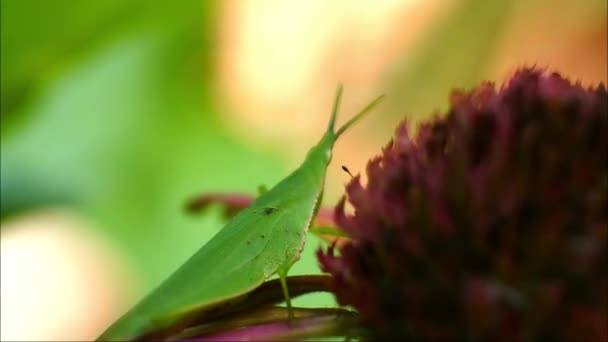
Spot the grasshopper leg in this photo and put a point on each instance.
(283, 278)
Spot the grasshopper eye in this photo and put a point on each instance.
(328, 156)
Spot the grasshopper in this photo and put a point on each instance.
(262, 240)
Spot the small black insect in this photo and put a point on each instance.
(268, 211)
(347, 170)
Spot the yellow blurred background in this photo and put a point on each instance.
(115, 113)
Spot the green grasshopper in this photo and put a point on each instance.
(261, 240)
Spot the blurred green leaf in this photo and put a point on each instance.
(125, 128)
(22, 190)
(37, 35)
(456, 54)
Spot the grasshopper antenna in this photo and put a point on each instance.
(336, 108)
(359, 115)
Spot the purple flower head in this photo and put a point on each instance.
(490, 223)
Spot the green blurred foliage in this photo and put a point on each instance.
(456, 53)
(106, 109)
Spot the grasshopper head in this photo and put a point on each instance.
(334, 114)
(323, 150)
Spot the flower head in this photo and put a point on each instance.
(490, 223)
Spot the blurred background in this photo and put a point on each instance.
(114, 113)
